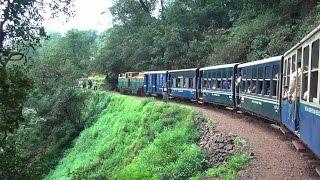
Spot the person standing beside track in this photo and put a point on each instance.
(295, 84)
(165, 91)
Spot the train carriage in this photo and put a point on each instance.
(301, 113)
(123, 83)
(136, 82)
(259, 87)
(183, 83)
(154, 82)
(218, 84)
(131, 83)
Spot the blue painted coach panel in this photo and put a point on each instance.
(154, 82)
(183, 93)
(288, 116)
(179, 92)
(161, 79)
(310, 127)
(218, 97)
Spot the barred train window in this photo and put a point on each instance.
(178, 82)
(304, 86)
(218, 79)
(260, 80)
(267, 78)
(190, 82)
(275, 79)
(314, 72)
(294, 63)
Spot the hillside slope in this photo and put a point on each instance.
(136, 139)
(143, 139)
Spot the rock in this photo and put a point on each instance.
(229, 147)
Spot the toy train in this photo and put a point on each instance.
(257, 87)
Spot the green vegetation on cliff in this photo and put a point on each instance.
(134, 139)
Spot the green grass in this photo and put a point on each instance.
(229, 171)
(134, 139)
(137, 139)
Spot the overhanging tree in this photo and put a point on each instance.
(20, 31)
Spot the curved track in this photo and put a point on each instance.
(274, 155)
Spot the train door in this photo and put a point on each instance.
(154, 83)
(291, 92)
(149, 85)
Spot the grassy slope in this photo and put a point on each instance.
(134, 139)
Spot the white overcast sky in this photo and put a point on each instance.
(89, 14)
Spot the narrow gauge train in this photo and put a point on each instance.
(257, 87)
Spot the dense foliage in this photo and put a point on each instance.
(183, 33)
(20, 30)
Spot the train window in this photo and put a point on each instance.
(315, 55)
(254, 73)
(260, 73)
(253, 87)
(267, 88)
(218, 74)
(184, 83)
(259, 86)
(173, 82)
(306, 58)
(242, 85)
(275, 79)
(219, 84)
(246, 86)
(214, 74)
(260, 81)
(224, 73)
(293, 63)
(249, 73)
(178, 82)
(314, 72)
(214, 84)
(230, 74)
(204, 83)
(190, 82)
(304, 86)
(226, 85)
(209, 83)
(313, 96)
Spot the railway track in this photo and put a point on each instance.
(278, 154)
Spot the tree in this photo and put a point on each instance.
(20, 31)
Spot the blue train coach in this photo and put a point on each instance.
(301, 105)
(183, 83)
(218, 84)
(154, 82)
(259, 87)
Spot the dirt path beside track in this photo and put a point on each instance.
(274, 155)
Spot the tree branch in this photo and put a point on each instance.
(3, 139)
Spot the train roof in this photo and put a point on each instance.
(303, 40)
(263, 61)
(181, 70)
(155, 72)
(219, 66)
